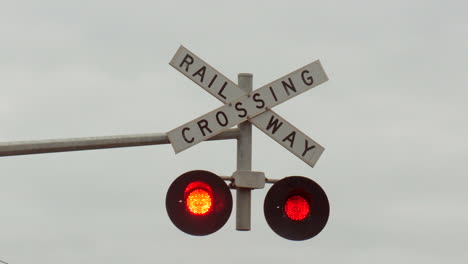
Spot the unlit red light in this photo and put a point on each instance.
(199, 202)
(296, 208)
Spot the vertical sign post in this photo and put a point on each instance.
(244, 161)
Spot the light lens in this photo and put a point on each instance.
(199, 202)
(296, 208)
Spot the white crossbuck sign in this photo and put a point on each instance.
(240, 106)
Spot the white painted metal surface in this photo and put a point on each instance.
(212, 80)
(243, 106)
(247, 106)
(289, 137)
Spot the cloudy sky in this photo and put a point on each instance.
(392, 117)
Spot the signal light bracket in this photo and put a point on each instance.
(248, 179)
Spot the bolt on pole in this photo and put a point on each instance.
(244, 161)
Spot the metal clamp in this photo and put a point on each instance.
(249, 179)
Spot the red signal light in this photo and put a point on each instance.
(198, 198)
(199, 202)
(296, 208)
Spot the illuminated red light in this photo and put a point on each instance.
(199, 202)
(198, 198)
(296, 208)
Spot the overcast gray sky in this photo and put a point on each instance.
(392, 117)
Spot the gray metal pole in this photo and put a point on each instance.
(75, 144)
(244, 161)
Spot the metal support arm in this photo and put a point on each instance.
(88, 143)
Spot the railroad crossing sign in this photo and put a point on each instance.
(254, 107)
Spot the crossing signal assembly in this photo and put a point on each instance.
(200, 202)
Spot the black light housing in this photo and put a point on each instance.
(199, 202)
(296, 208)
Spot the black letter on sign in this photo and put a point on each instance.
(212, 80)
(307, 148)
(290, 138)
(201, 73)
(185, 138)
(238, 108)
(289, 85)
(258, 100)
(189, 60)
(309, 80)
(224, 116)
(273, 123)
(220, 93)
(203, 124)
(274, 95)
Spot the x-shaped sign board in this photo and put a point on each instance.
(241, 106)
